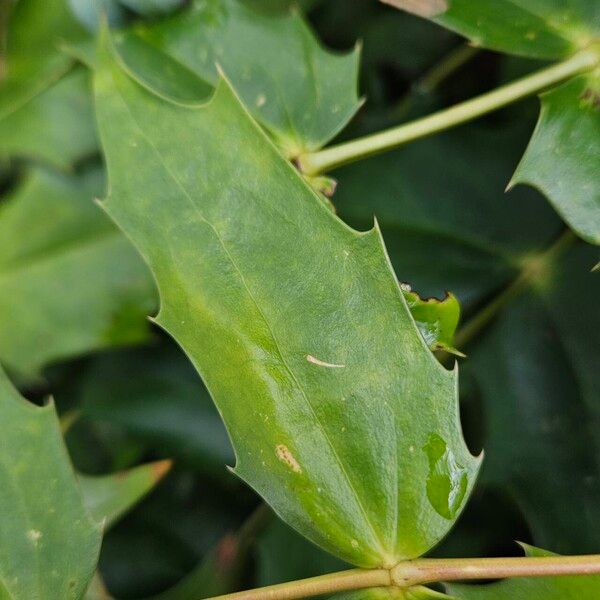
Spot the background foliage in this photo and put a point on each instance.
(74, 293)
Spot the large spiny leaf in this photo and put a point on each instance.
(48, 543)
(340, 415)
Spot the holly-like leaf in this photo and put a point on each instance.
(109, 497)
(340, 415)
(579, 587)
(563, 157)
(48, 542)
(300, 92)
(41, 115)
(73, 283)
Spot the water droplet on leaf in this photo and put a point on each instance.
(447, 480)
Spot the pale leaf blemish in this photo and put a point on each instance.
(285, 456)
(34, 535)
(322, 363)
(261, 100)
(354, 544)
(423, 8)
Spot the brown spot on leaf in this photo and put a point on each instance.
(423, 8)
(284, 455)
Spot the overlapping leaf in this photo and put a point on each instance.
(302, 94)
(48, 542)
(73, 283)
(303, 372)
(563, 156)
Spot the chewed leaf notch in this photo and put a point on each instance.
(255, 276)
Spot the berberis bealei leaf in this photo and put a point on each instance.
(48, 542)
(340, 415)
(563, 157)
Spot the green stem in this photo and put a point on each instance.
(336, 156)
(533, 268)
(425, 570)
(354, 579)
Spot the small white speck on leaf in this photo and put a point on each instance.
(261, 100)
(322, 363)
(354, 543)
(285, 456)
(34, 535)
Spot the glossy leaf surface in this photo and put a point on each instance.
(281, 353)
(73, 283)
(48, 542)
(581, 587)
(302, 93)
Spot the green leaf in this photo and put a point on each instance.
(48, 543)
(301, 93)
(72, 284)
(40, 115)
(436, 319)
(580, 587)
(55, 126)
(109, 497)
(563, 158)
(535, 28)
(284, 309)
